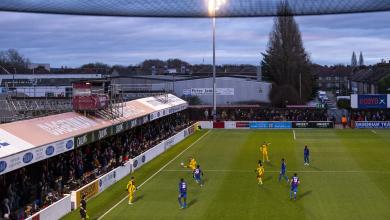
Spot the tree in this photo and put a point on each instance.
(97, 65)
(353, 60)
(176, 63)
(285, 62)
(384, 85)
(12, 58)
(192, 100)
(361, 60)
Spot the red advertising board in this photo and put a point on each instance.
(219, 125)
(242, 124)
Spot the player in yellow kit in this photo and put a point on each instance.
(131, 188)
(264, 151)
(260, 172)
(191, 164)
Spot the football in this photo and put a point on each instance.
(182, 164)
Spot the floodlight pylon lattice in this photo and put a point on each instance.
(192, 8)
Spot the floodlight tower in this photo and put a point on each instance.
(214, 5)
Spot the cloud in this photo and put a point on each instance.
(75, 40)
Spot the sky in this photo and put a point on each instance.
(68, 40)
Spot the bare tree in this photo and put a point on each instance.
(12, 58)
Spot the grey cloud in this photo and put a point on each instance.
(74, 40)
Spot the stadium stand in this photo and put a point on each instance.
(44, 158)
(370, 115)
(34, 187)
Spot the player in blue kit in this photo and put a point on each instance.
(198, 173)
(182, 193)
(306, 153)
(294, 186)
(282, 173)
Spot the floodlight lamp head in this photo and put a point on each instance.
(215, 5)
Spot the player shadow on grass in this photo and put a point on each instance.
(300, 196)
(315, 168)
(140, 197)
(192, 202)
(267, 178)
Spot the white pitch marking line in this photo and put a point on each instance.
(158, 171)
(291, 171)
(294, 135)
(373, 131)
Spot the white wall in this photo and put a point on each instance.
(54, 211)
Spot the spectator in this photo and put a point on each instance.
(5, 209)
(45, 182)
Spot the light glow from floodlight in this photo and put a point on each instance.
(215, 5)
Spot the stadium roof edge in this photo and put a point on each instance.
(191, 8)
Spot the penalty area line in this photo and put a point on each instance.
(294, 135)
(157, 172)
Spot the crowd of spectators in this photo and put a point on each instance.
(36, 186)
(370, 115)
(262, 114)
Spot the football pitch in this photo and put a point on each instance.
(348, 178)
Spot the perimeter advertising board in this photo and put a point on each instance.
(270, 124)
(372, 124)
(312, 124)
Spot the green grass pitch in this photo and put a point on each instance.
(348, 178)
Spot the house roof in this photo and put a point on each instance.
(333, 71)
(372, 74)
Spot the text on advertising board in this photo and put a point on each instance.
(372, 101)
(372, 124)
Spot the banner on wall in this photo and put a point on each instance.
(267, 124)
(376, 101)
(230, 124)
(89, 191)
(22, 159)
(372, 124)
(242, 124)
(208, 91)
(271, 124)
(372, 101)
(312, 124)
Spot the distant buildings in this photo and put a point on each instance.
(43, 83)
(345, 80)
(334, 78)
(366, 80)
(231, 89)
